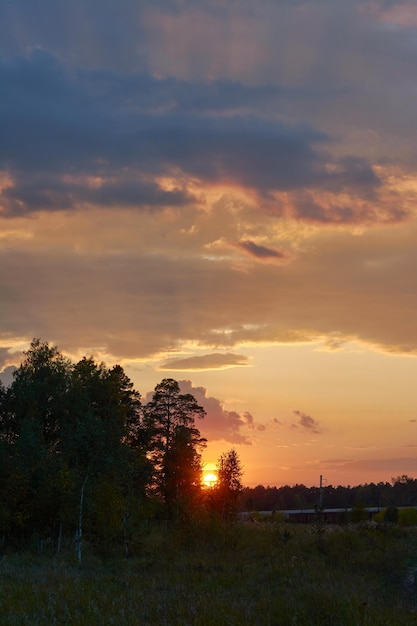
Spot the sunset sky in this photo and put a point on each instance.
(223, 192)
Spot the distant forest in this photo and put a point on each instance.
(81, 455)
(400, 492)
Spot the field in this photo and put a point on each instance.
(211, 575)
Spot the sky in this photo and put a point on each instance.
(224, 193)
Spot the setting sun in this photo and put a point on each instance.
(264, 257)
(209, 479)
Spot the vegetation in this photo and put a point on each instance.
(218, 574)
(174, 444)
(229, 485)
(400, 492)
(81, 456)
(104, 520)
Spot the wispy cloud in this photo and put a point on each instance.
(216, 360)
(262, 252)
(381, 466)
(307, 422)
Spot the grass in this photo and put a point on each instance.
(248, 574)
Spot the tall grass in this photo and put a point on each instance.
(214, 575)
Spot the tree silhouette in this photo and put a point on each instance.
(229, 484)
(65, 434)
(175, 443)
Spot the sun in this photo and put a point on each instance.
(209, 479)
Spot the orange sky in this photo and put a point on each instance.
(225, 194)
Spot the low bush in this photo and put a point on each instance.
(225, 574)
(407, 516)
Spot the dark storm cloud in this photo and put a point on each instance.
(136, 91)
(51, 118)
(240, 150)
(39, 191)
(46, 119)
(57, 124)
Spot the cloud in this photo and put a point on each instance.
(140, 286)
(307, 422)
(204, 178)
(393, 465)
(261, 252)
(250, 421)
(108, 138)
(4, 356)
(358, 471)
(140, 171)
(215, 360)
(7, 368)
(220, 424)
(36, 192)
(6, 375)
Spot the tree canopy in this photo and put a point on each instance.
(79, 450)
(175, 443)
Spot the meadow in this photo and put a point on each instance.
(213, 574)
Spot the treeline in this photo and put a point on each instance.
(82, 455)
(400, 492)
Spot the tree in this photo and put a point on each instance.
(404, 489)
(104, 410)
(106, 414)
(391, 514)
(32, 411)
(67, 432)
(174, 442)
(229, 484)
(182, 469)
(39, 392)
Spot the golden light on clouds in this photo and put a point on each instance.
(225, 196)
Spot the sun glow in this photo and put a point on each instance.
(209, 479)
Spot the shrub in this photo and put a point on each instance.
(407, 516)
(359, 513)
(391, 514)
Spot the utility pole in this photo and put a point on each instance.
(321, 493)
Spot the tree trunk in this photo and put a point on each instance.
(79, 530)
